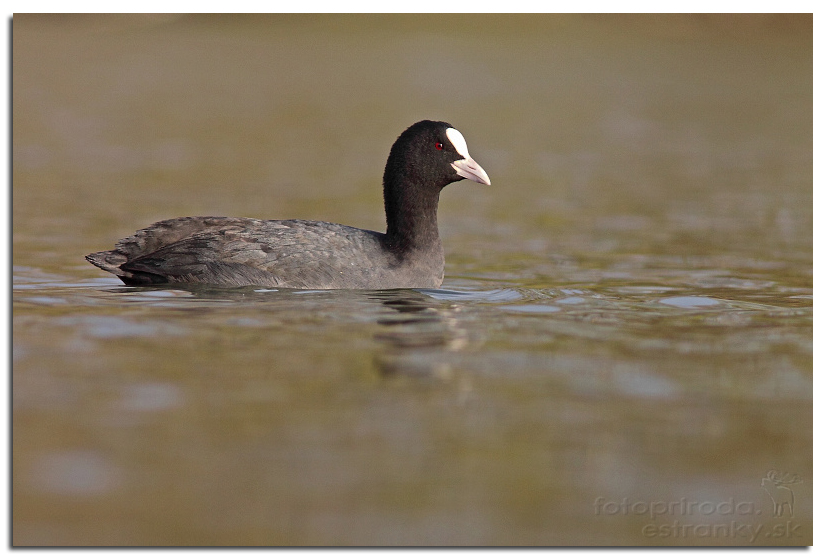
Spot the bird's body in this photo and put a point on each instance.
(230, 252)
(245, 251)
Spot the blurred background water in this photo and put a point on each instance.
(625, 326)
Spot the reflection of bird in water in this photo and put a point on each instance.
(422, 339)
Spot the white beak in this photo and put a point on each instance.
(469, 169)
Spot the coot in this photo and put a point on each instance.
(231, 251)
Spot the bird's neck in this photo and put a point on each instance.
(411, 218)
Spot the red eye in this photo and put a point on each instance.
(440, 145)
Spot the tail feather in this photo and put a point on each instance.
(150, 239)
(112, 260)
(108, 260)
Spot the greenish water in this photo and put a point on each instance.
(621, 352)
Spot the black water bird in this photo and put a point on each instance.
(228, 251)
